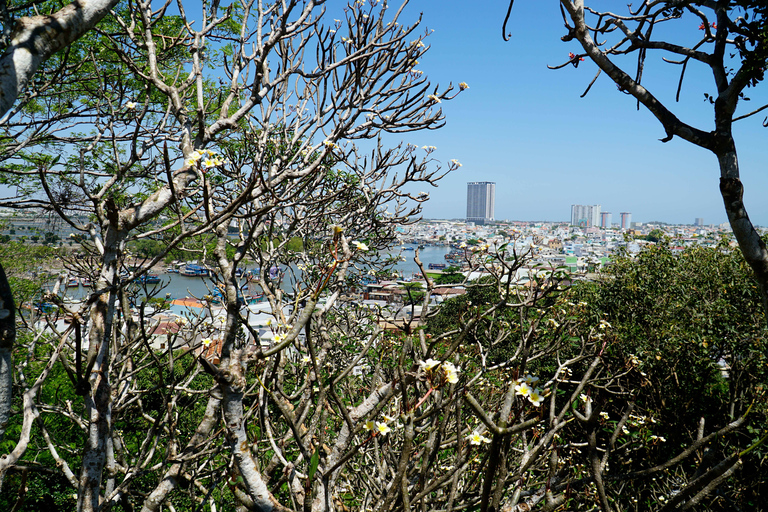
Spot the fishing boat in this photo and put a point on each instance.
(194, 271)
(148, 279)
(437, 266)
(73, 282)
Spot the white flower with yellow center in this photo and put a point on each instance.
(429, 364)
(434, 98)
(531, 380)
(382, 428)
(476, 439)
(536, 397)
(306, 359)
(463, 86)
(130, 105)
(370, 425)
(207, 341)
(360, 246)
(523, 389)
(451, 372)
(279, 338)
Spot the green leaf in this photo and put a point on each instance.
(313, 462)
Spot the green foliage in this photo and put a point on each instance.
(692, 324)
(450, 275)
(655, 235)
(24, 266)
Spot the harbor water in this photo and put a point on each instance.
(176, 286)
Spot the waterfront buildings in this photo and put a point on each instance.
(480, 201)
(585, 215)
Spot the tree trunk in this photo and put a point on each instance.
(35, 38)
(7, 339)
(749, 240)
(98, 399)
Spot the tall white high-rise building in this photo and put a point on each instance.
(480, 201)
(585, 215)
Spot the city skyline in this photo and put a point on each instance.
(526, 128)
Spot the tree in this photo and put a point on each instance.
(242, 83)
(655, 235)
(700, 343)
(733, 45)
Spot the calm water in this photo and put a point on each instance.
(179, 286)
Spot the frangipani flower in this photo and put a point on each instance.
(383, 428)
(429, 364)
(530, 379)
(451, 372)
(434, 98)
(130, 105)
(370, 425)
(476, 439)
(523, 389)
(360, 246)
(279, 338)
(463, 86)
(207, 341)
(306, 359)
(536, 397)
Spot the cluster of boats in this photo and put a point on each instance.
(75, 282)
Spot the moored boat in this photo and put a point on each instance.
(148, 279)
(194, 271)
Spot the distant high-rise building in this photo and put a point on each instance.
(585, 215)
(699, 221)
(626, 220)
(605, 219)
(480, 201)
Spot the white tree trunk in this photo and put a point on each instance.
(34, 39)
(7, 339)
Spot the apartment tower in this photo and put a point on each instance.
(480, 201)
(626, 220)
(585, 215)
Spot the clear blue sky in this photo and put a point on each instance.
(525, 127)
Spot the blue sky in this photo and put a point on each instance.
(526, 128)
